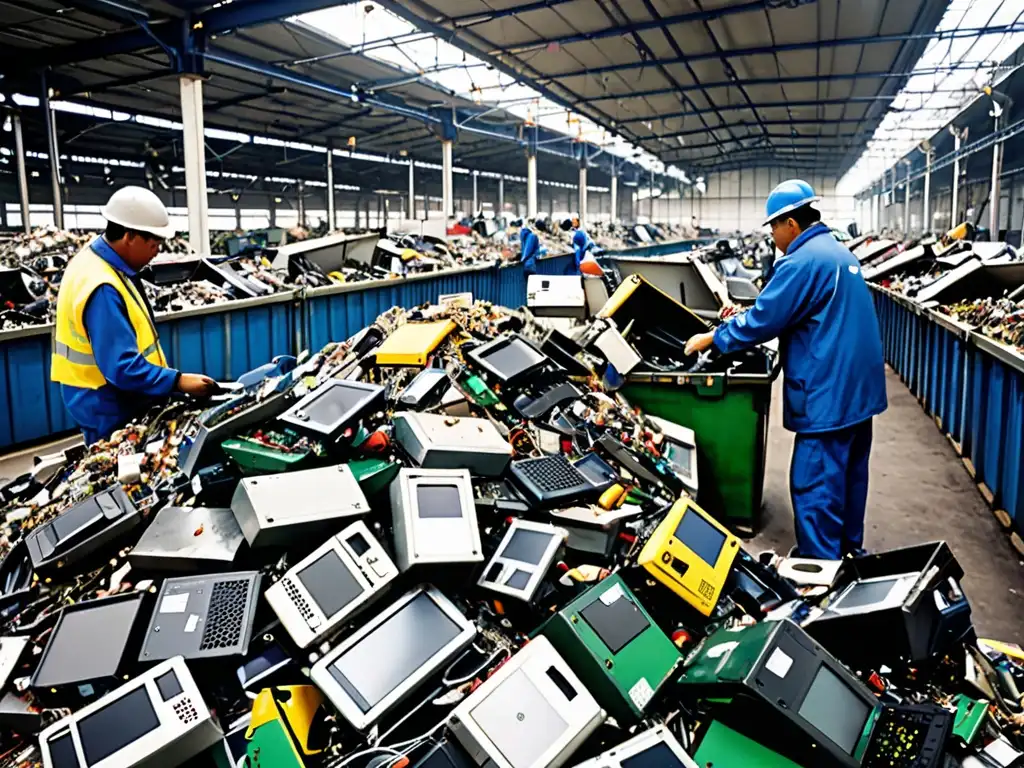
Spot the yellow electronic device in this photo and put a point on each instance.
(412, 343)
(639, 304)
(298, 709)
(691, 554)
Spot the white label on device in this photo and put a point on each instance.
(174, 603)
(779, 663)
(641, 693)
(613, 594)
(193, 620)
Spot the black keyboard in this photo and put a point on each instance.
(909, 737)
(550, 480)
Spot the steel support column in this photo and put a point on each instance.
(927, 223)
(957, 139)
(615, 196)
(19, 151)
(476, 195)
(447, 183)
(501, 197)
(331, 209)
(906, 203)
(531, 186)
(994, 191)
(301, 202)
(583, 194)
(54, 156)
(651, 193)
(412, 191)
(191, 87)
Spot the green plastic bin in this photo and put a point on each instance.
(729, 417)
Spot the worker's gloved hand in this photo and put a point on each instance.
(699, 343)
(197, 385)
(728, 311)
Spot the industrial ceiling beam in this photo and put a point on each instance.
(749, 124)
(242, 99)
(810, 45)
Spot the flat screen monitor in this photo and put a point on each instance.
(657, 756)
(526, 546)
(680, 457)
(835, 710)
(330, 583)
(391, 655)
(702, 538)
(523, 558)
(334, 406)
(875, 594)
(438, 501)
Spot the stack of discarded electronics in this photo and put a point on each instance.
(448, 542)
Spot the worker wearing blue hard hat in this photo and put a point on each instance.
(581, 242)
(819, 307)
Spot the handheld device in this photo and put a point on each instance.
(434, 518)
(157, 720)
(202, 617)
(424, 390)
(276, 510)
(387, 658)
(615, 648)
(525, 554)
(551, 481)
(435, 441)
(656, 748)
(325, 589)
(691, 554)
(532, 713)
(335, 406)
(556, 296)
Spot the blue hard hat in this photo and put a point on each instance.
(788, 196)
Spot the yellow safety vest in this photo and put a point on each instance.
(72, 361)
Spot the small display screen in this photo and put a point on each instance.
(115, 726)
(519, 579)
(512, 358)
(394, 650)
(833, 708)
(866, 593)
(700, 536)
(75, 519)
(62, 751)
(337, 404)
(433, 501)
(526, 546)
(679, 456)
(358, 544)
(658, 756)
(617, 623)
(330, 583)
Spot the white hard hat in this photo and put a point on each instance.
(139, 209)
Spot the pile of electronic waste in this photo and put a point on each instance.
(449, 542)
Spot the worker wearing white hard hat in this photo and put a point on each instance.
(819, 307)
(106, 350)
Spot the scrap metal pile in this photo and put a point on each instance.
(450, 542)
(1000, 319)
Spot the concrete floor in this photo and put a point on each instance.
(919, 492)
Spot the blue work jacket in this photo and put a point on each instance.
(133, 382)
(529, 249)
(820, 308)
(581, 243)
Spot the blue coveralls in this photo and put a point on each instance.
(529, 250)
(819, 307)
(133, 382)
(581, 243)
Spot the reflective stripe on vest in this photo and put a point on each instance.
(73, 362)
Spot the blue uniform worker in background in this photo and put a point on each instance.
(581, 242)
(106, 353)
(530, 249)
(820, 308)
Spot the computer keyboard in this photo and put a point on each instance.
(909, 737)
(549, 480)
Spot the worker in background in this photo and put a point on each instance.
(530, 248)
(106, 351)
(819, 307)
(581, 242)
